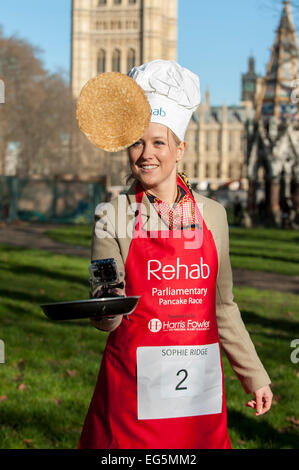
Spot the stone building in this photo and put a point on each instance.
(216, 145)
(115, 35)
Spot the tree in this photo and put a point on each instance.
(37, 114)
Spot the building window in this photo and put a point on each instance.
(116, 25)
(242, 142)
(207, 141)
(102, 2)
(116, 60)
(230, 142)
(208, 170)
(196, 141)
(131, 59)
(219, 141)
(101, 62)
(131, 2)
(117, 2)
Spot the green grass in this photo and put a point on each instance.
(272, 320)
(79, 235)
(58, 362)
(272, 250)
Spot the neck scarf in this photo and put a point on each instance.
(182, 213)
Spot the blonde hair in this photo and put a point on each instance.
(175, 137)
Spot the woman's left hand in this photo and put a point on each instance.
(263, 400)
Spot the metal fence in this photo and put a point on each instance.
(46, 200)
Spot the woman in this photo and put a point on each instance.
(161, 380)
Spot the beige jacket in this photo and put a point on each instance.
(113, 229)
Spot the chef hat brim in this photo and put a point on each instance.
(113, 111)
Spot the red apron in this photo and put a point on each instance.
(161, 383)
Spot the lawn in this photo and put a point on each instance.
(78, 235)
(272, 319)
(47, 381)
(50, 370)
(258, 249)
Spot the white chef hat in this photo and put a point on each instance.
(173, 92)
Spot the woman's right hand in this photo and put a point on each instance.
(110, 322)
(107, 323)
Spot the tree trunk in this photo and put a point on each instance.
(3, 150)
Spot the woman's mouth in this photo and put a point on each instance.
(147, 168)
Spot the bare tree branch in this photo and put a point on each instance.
(38, 111)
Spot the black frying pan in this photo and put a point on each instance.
(76, 309)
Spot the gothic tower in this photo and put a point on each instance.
(251, 84)
(115, 35)
(273, 147)
(282, 71)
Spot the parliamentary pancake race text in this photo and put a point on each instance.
(169, 296)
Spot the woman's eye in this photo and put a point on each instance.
(159, 142)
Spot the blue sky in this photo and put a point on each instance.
(215, 37)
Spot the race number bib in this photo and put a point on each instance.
(178, 381)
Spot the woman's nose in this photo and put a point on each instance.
(147, 150)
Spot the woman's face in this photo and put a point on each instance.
(153, 158)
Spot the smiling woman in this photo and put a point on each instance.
(166, 403)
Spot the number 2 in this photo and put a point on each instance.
(186, 375)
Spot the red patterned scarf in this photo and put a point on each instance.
(182, 213)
